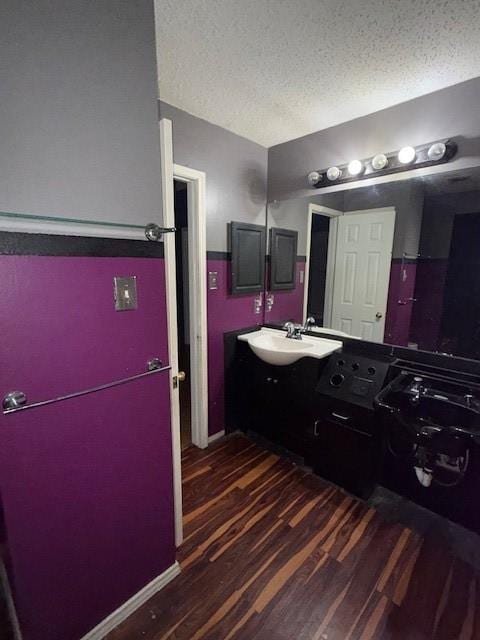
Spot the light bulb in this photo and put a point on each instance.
(406, 155)
(379, 162)
(437, 151)
(333, 173)
(355, 168)
(314, 177)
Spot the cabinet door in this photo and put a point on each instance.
(346, 454)
(283, 258)
(247, 244)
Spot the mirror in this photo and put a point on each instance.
(396, 262)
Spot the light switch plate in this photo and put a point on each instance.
(125, 293)
(213, 280)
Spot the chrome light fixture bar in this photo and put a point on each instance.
(404, 159)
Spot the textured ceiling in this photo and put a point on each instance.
(274, 70)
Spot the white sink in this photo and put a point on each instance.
(274, 347)
(333, 332)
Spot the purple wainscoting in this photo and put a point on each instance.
(399, 316)
(288, 304)
(86, 483)
(225, 313)
(428, 310)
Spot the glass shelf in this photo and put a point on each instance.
(38, 218)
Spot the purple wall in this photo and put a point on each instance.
(86, 483)
(399, 317)
(288, 305)
(225, 313)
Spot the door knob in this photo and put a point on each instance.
(378, 315)
(13, 400)
(181, 376)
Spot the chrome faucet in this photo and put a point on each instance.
(417, 389)
(309, 321)
(294, 331)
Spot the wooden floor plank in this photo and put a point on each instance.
(272, 552)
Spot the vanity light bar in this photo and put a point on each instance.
(404, 159)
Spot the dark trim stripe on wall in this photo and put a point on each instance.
(46, 244)
(43, 244)
(225, 255)
(404, 260)
(218, 255)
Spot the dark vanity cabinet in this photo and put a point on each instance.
(346, 450)
(362, 418)
(348, 434)
(275, 402)
(321, 410)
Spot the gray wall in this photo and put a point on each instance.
(406, 196)
(236, 171)
(293, 214)
(439, 217)
(78, 110)
(451, 112)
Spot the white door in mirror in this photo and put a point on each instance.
(362, 272)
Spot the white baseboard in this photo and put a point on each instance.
(12, 614)
(131, 605)
(216, 436)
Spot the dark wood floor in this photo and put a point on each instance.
(274, 553)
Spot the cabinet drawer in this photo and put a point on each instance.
(345, 415)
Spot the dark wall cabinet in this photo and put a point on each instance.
(247, 245)
(283, 259)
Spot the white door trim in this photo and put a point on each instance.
(197, 285)
(373, 210)
(332, 247)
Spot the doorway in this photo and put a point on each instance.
(183, 311)
(320, 263)
(460, 329)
